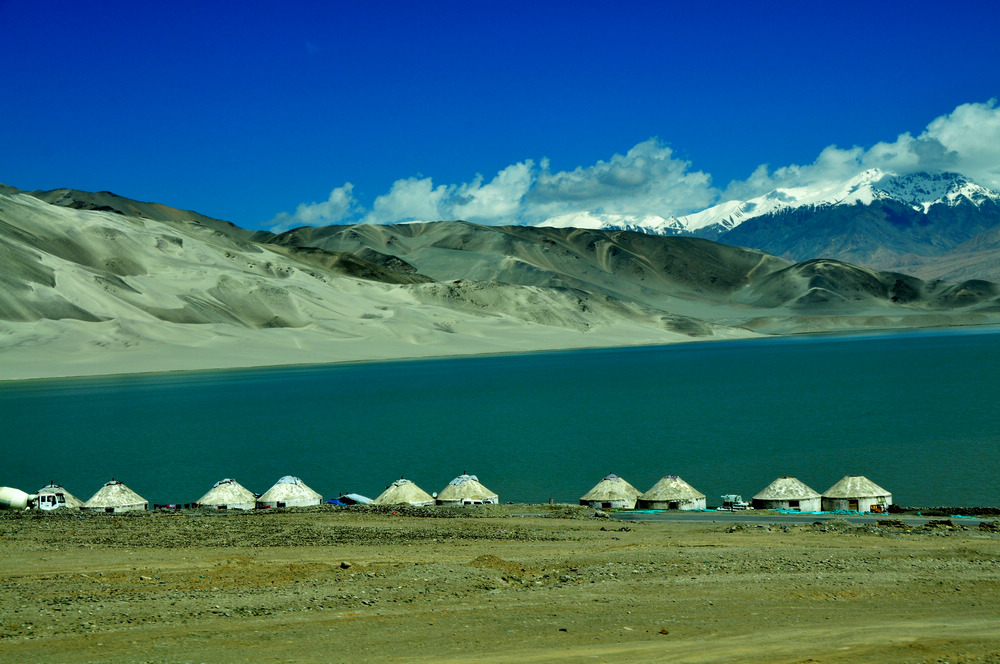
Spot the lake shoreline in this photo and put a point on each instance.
(50, 375)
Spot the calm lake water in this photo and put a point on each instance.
(914, 412)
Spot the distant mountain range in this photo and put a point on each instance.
(932, 225)
(98, 283)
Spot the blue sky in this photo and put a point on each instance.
(273, 114)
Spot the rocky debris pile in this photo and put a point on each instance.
(837, 525)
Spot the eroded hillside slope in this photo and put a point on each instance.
(95, 283)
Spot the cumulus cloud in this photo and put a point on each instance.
(645, 180)
(650, 180)
(971, 133)
(416, 199)
(339, 206)
(501, 198)
(967, 140)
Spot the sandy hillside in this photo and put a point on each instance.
(94, 283)
(492, 585)
(98, 292)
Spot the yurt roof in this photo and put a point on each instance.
(465, 487)
(786, 488)
(671, 487)
(612, 487)
(114, 494)
(289, 488)
(227, 491)
(71, 500)
(855, 486)
(403, 491)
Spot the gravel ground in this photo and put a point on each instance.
(498, 584)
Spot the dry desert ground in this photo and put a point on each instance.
(502, 584)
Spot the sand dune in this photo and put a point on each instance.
(94, 283)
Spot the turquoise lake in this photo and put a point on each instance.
(914, 412)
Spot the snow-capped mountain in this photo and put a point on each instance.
(648, 223)
(931, 224)
(920, 191)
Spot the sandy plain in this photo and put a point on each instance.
(511, 583)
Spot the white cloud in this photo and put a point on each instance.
(339, 206)
(645, 180)
(419, 200)
(967, 140)
(970, 138)
(501, 198)
(408, 200)
(649, 180)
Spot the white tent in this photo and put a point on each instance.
(52, 497)
(856, 493)
(289, 492)
(404, 492)
(228, 494)
(466, 490)
(787, 493)
(611, 493)
(672, 493)
(115, 497)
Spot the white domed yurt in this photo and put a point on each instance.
(466, 490)
(404, 492)
(611, 493)
(228, 494)
(53, 497)
(856, 493)
(116, 497)
(672, 493)
(787, 493)
(289, 492)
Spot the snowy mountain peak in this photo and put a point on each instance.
(920, 191)
(643, 223)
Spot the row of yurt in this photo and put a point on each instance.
(855, 493)
(463, 490)
(670, 493)
(114, 496)
(289, 491)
